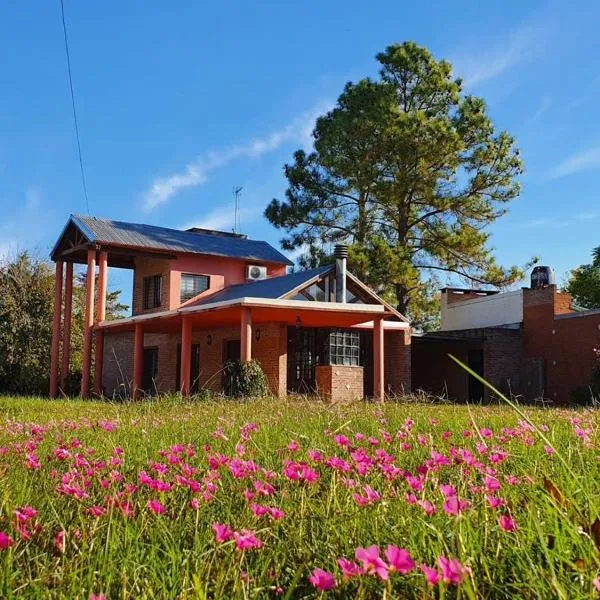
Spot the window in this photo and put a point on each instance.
(344, 347)
(152, 291)
(192, 285)
(150, 372)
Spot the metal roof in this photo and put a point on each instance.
(272, 288)
(151, 237)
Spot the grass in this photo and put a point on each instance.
(63, 458)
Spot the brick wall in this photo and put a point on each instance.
(397, 362)
(338, 383)
(145, 267)
(117, 373)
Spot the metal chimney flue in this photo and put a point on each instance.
(341, 255)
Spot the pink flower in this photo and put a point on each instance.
(156, 507)
(432, 575)
(223, 533)
(507, 523)
(453, 506)
(399, 559)
(247, 540)
(596, 583)
(97, 597)
(452, 571)
(60, 541)
(372, 564)
(276, 513)
(447, 490)
(5, 541)
(293, 446)
(349, 568)
(322, 580)
(25, 513)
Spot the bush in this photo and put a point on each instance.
(245, 379)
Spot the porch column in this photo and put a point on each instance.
(246, 335)
(88, 324)
(186, 356)
(138, 361)
(55, 349)
(99, 361)
(66, 339)
(102, 281)
(378, 360)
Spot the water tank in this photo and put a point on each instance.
(542, 277)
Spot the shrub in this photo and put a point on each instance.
(245, 379)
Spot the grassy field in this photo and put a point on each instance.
(267, 499)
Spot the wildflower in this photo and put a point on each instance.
(432, 575)
(349, 568)
(293, 446)
(5, 541)
(549, 450)
(507, 523)
(453, 506)
(596, 583)
(276, 513)
(399, 559)
(97, 597)
(223, 533)
(247, 540)
(372, 563)
(322, 580)
(194, 503)
(25, 513)
(156, 507)
(341, 440)
(452, 571)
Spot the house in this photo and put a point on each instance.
(203, 297)
(531, 342)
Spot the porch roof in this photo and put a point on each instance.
(264, 310)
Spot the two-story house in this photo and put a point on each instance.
(202, 297)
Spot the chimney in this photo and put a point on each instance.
(341, 254)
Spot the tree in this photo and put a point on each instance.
(409, 171)
(584, 283)
(26, 310)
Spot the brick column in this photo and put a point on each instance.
(66, 339)
(88, 325)
(378, 359)
(55, 349)
(102, 282)
(186, 356)
(138, 361)
(246, 335)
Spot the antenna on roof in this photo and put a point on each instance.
(237, 192)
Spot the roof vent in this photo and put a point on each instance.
(341, 251)
(341, 254)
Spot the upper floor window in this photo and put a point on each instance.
(153, 291)
(192, 285)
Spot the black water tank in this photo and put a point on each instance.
(542, 277)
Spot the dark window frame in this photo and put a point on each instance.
(195, 291)
(153, 288)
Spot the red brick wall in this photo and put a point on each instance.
(397, 362)
(146, 267)
(339, 383)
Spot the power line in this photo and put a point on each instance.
(87, 203)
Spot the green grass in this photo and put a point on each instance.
(552, 553)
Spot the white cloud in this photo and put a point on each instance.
(223, 218)
(588, 160)
(545, 104)
(522, 46)
(196, 172)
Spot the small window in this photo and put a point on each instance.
(192, 285)
(344, 348)
(152, 291)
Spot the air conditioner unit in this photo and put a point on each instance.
(256, 272)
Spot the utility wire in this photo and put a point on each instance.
(87, 203)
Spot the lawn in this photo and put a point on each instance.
(266, 499)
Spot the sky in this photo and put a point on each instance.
(180, 102)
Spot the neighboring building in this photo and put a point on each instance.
(530, 343)
(202, 297)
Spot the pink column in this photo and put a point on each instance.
(102, 281)
(186, 356)
(88, 325)
(246, 335)
(138, 361)
(66, 340)
(55, 349)
(378, 360)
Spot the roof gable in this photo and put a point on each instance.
(151, 237)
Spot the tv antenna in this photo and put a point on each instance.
(237, 192)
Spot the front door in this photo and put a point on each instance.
(232, 352)
(301, 360)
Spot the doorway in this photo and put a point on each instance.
(194, 371)
(475, 363)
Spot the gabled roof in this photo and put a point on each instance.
(272, 288)
(153, 238)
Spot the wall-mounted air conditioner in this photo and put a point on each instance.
(256, 272)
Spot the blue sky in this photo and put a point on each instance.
(179, 102)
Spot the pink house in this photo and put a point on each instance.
(201, 298)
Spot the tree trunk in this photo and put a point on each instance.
(402, 298)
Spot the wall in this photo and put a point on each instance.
(338, 383)
(397, 362)
(147, 267)
(471, 312)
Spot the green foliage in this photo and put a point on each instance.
(408, 170)
(584, 283)
(26, 311)
(245, 379)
